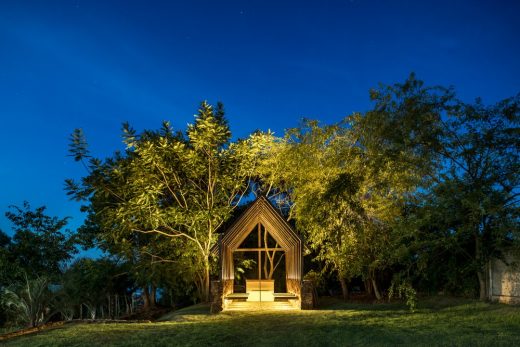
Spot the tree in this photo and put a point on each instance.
(39, 246)
(8, 270)
(470, 153)
(272, 259)
(175, 186)
(103, 286)
(343, 197)
(28, 302)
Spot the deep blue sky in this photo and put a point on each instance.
(94, 64)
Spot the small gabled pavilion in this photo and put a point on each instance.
(263, 237)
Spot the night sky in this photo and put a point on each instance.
(94, 64)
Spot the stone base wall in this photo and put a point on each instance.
(308, 299)
(506, 299)
(216, 304)
(218, 291)
(227, 288)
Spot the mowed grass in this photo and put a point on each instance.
(438, 321)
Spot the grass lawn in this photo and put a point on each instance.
(437, 321)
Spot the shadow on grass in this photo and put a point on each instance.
(434, 303)
(330, 303)
(194, 310)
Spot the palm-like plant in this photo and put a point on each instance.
(29, 302)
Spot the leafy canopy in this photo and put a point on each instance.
(170, 188)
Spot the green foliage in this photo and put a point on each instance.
(467, 209)
(4, 240)
(78, 147)
(27, 303)
(39, 246)
(315, 277)
(89, 282)
(422, 186)
(8, 269)
(21, 296)
(242, 266)
(169, 192)
(404, 290)
(345, 198)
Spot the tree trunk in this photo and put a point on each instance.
(368, 287)
(127, 306)
(482, 286)
(206, 290)
(109, 306)
(344, 288)
(480, 272)
(117, 306)
(146, 297)
(153, 295)
(376, 290)
(92, 310)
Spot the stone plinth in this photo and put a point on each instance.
(308, 301)
(216, 297)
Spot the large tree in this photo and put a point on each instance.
(178, 187)
(470, 154)
(37, 253)
(344, 198)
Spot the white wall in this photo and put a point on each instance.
(504, 281)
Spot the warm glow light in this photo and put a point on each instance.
(260, 306)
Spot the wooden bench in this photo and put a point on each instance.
(260, 290)
(237, 296)
(285, 296)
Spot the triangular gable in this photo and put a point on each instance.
(261, 211)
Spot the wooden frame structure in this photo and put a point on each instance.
(260, 212)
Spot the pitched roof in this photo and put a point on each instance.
(261, 211)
